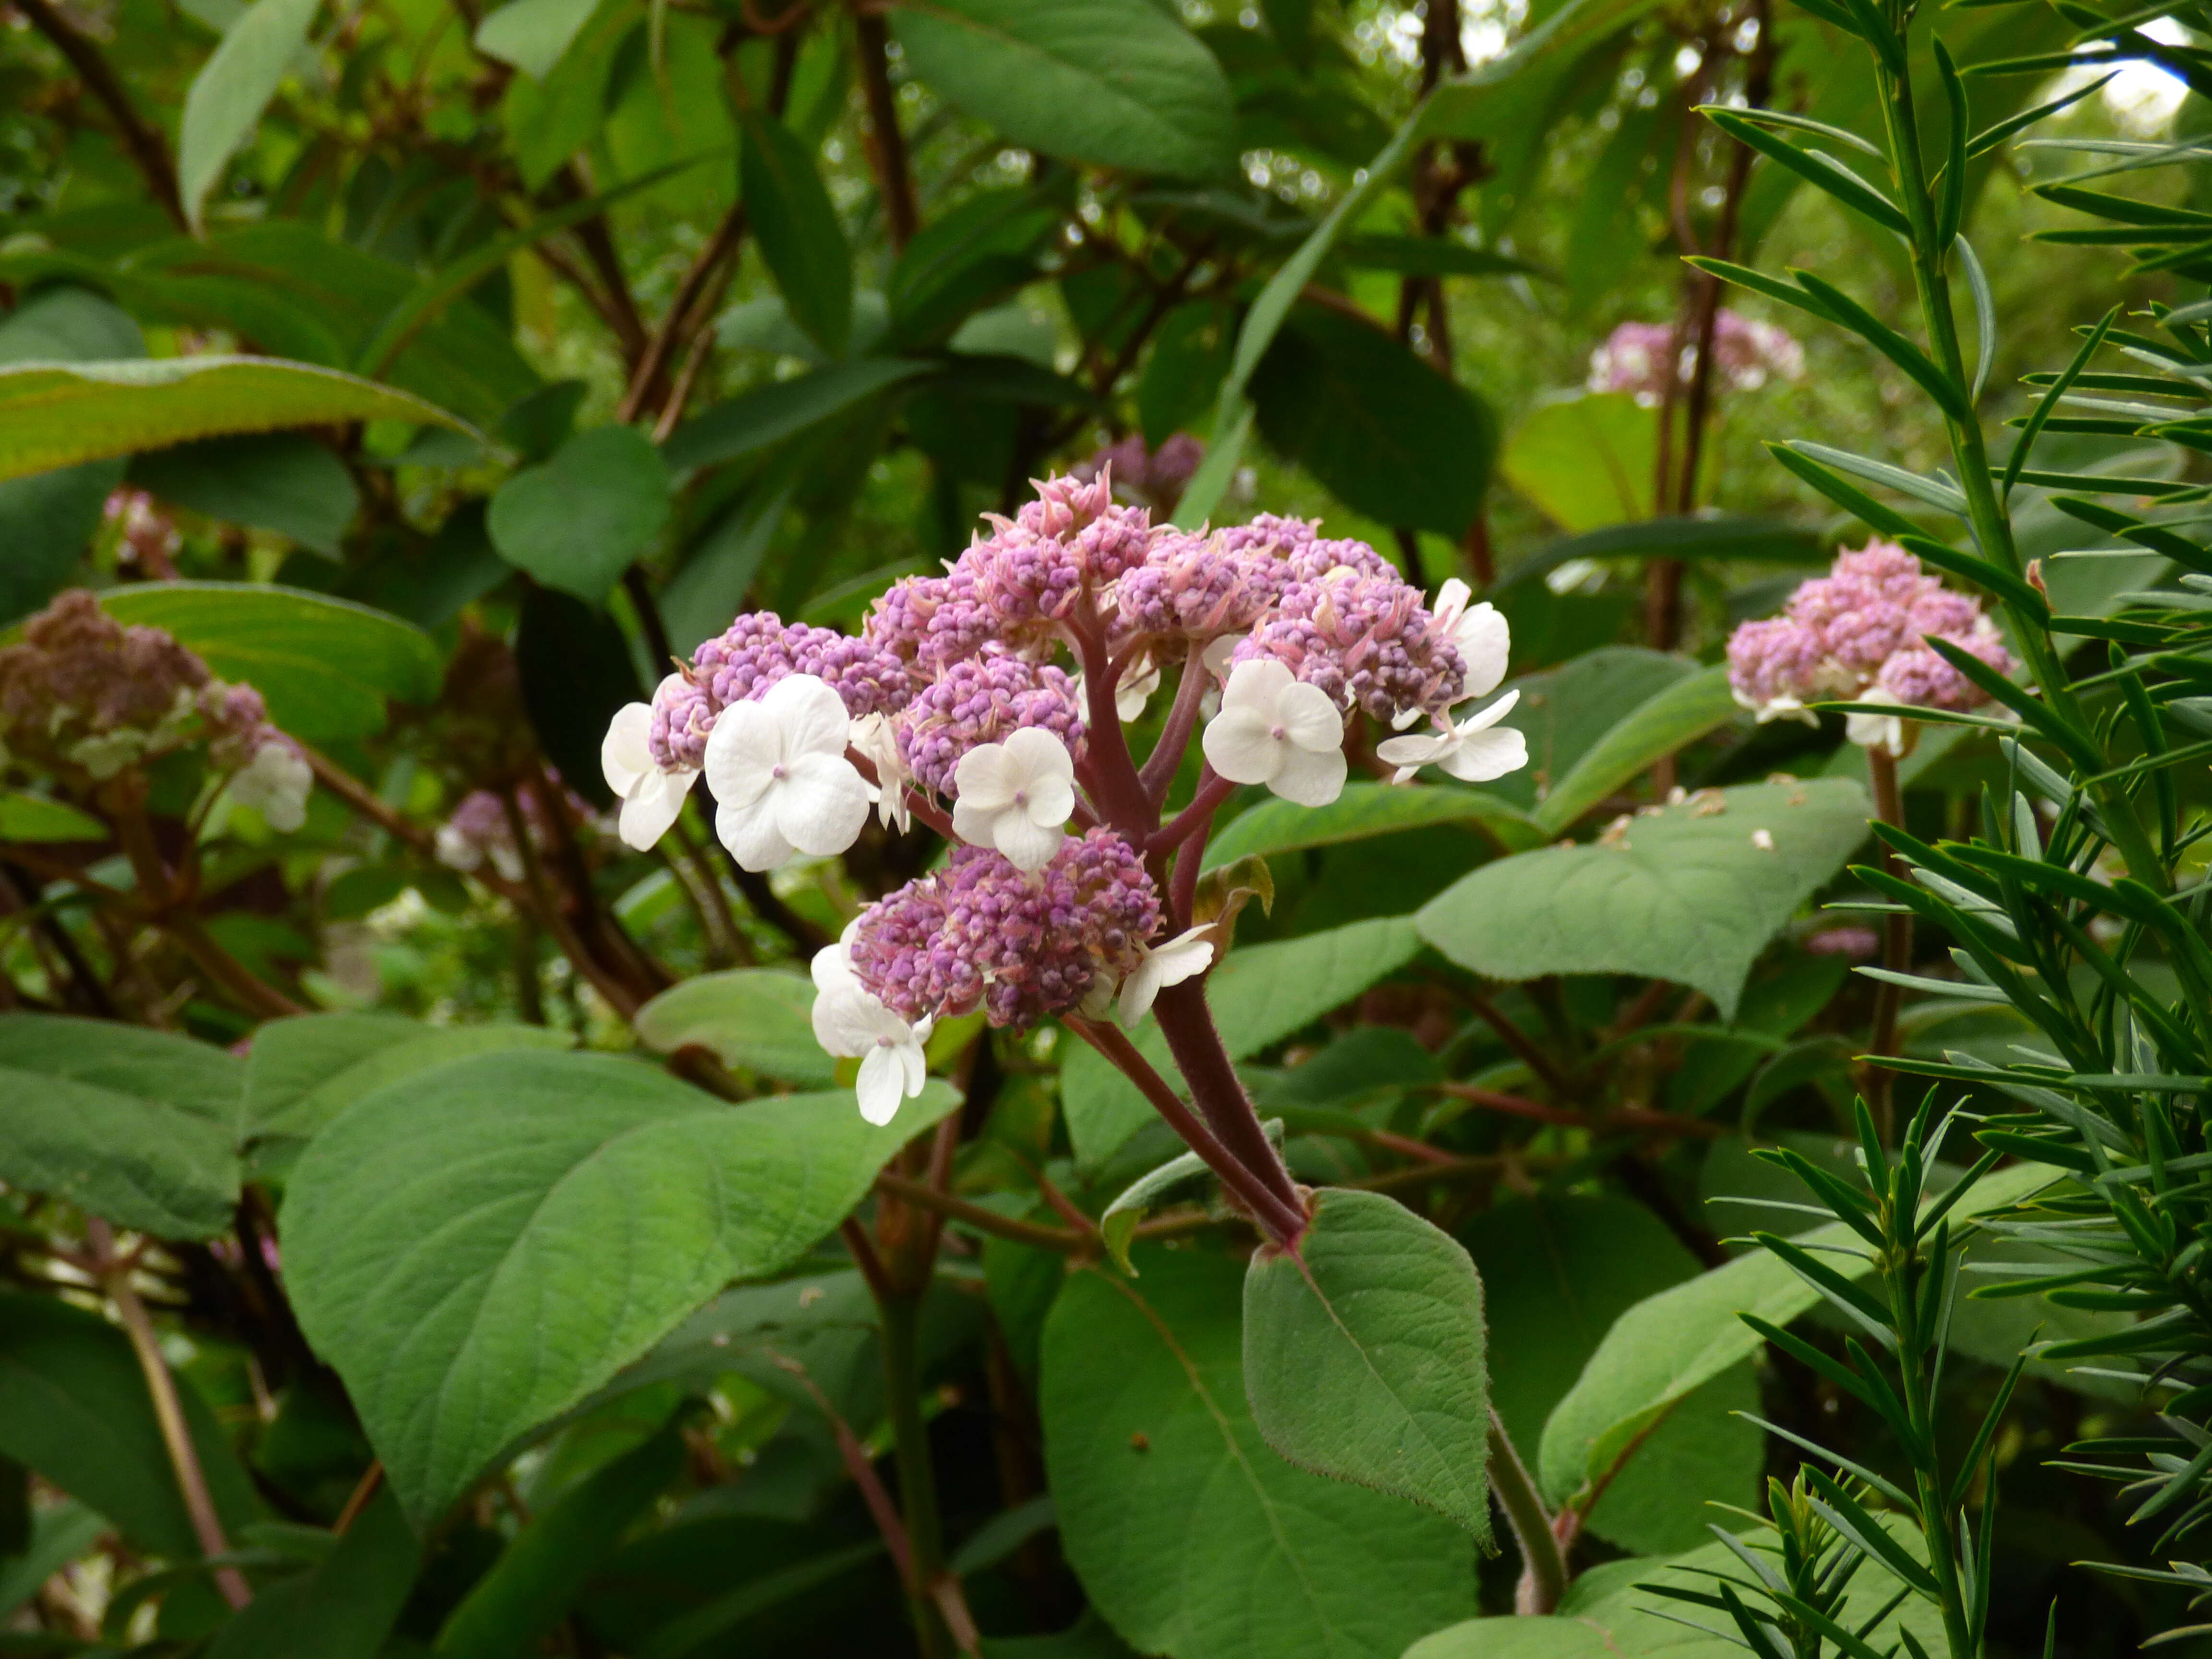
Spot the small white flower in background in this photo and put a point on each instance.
(780, 776)
(1276, 730)
(1763, 840)
(1016, 796)
(873, 736)
(852, 1024)
(1166, 964)
(1139, 681)
(1471, 751)
(276, 783)
(651, 798)
(1876, 730)
(1480, 632)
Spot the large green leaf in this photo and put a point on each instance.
(231, 90)
(59, 1533)
(537, 1173)
(792, 218)
(758, 1018)
(324, 666)
(577, 520)
(60, 414)
(281, 481)
(1190, 1535)
(1118, 84)
(1564, 711)
(134, 1125)
(1389, 436)
(1260, 996)
(342, 1608)
(1585, 461)
(1715, 536)
(1363, 810)
(533, 34)
(1363, 1355)
(73, 1407)
(1691, 892)
(1668, 721)
(1668, 1344)
(302, 1073)
(749, 423)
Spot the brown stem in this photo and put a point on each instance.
(1213, 790)
(678, 322)
(1159, 768)
(886, 143)
(115, 1273)
(805, 936)
(1896, 944)
(922, 1196)
(1517, 1040)
(599, 245)
(367, 1488)
(148, 151)
(1215, 1088)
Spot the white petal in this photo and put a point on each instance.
(1422, 748)
(832, 967)
(882, 1085)
(1237, 745)
(742, 751)
(1308, 719)
(821, 804)
(1256, 684)
(986, 778)
(656, 801)
(1488, 755)
(1039, 754)
(845, 1019)
(1451, 602)
(624, 755)
(1027, 845)
(1215, 657)
(1139, 682)
(1485, 641)
(974, 824)
(1307, 777)
(1488, 718)
(750, 834)
(1051, 800)
(810, 713)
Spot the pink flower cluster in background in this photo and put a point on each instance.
(1143, 477)
(1634, 356)
(1859, 635)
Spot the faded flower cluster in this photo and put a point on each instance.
(83, 696)
(480, 831)
(1634, 356)
(989, 702)
(1859, 634)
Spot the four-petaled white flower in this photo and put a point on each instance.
(1480, 634)
(1276, 730)
(1161, 966)
(852, 1023)
(1016, 796)
(876, 743)
(779, 773)
(1470, 751)
(1876, 730)
(652, 797)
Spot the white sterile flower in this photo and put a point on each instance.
(1278, 731)
(1480, 633)
(651, 798)
(877, 743)
(1877, 731)
(852, 1023)
(779, 773)
(1139, 681)
(1164, 965)
(1016, 796)
(276, 783)
(1470, 751)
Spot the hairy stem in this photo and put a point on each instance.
(1543, 1562)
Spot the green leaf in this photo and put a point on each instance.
(46, 520)
(73, 1407)
(302, 1073)
(1388, 435)
(133, 1125)
(1689, 893)
(343, 1607)
(69, 324)
(1564, 711)
(791, 215)
(324, 666)
(759, 1018)
(1433, 256)
(533, 35)
(1118, 1221)
(1363, 1355)
(1189, 1535)
(1585, 461)
(746, 425)
(1260, 996)
(60, 414)
(231, 90)
(535, 1170)
(1115, 83)
(1717, 536)
(1670, 721)
(515, 1607)
(59, 1533)
(34, 818)
(1666, 1345)
(1824, 171)
(577, 521)
(281, 481)
(1363, 810)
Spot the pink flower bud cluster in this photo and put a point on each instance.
(755, 651)
(980, 934)
(145, 534)
(81, 692)
(1638, 357)
(1366, 640)
(1859, 630)
(981, 701)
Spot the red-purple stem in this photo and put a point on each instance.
(1160, 764)
(1213, 790)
